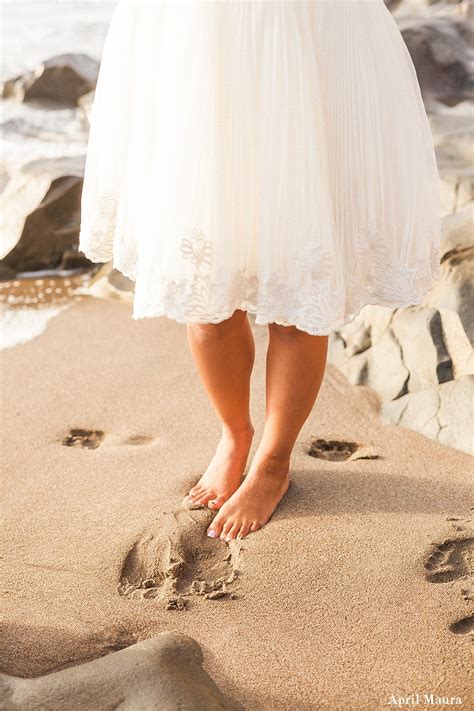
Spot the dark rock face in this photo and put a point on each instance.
(441, 49)
(43, 206)
(62, 79)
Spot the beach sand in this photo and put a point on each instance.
(355, 591)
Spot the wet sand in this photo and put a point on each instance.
(356, 590)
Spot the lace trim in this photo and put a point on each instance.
(310, 304)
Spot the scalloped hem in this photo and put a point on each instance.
(335, 325)
(279, 317)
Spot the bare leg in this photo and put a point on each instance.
(295, 368)
(224, 354)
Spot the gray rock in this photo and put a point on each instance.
(457, 344)
(164, 672)
(336, 347)
(420, 335)
(356, 369)
(378, 319)
(380, 367)
(40, 214)
(457, 231)
(456, 189)
(110, 284)
(356, 335)
(417, 411)
(455, 288)
(62, 79)
(441, 51)
(85, 102)
(455, 414)
(444, 413)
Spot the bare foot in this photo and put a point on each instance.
(253, 503)
(224, 473)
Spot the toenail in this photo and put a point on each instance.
(228, 537)
(212, 533)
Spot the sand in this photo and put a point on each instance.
(356, 591)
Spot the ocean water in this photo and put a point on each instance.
(34, 31)
(30, 33)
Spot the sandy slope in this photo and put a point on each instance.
(335, 603)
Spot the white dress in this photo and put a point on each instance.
(270, 156)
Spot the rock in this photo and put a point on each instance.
(455, 288)
(40, 215)
(62, 79)
(120, 282)
(452, 131)
(73, 259)
(356, 369)
(164, 672)
(85, 102)
(457, 231)
(109, 283)
(378, 319)
(380, 367)
(356, 335)
(457, 190)
(443, 413)
(6, 274)
(419, 331)
(440, 48)
(336, 347)
(457, 344)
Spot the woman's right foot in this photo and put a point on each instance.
(223, 476)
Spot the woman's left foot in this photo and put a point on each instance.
(252, 505)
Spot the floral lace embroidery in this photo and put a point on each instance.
(314, 301)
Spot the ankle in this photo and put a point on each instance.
(243, 432)
(272, 463)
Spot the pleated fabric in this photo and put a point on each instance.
(270, 156)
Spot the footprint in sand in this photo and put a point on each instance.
(334, 450)
(91, 439)
(450, 560)
(87, 439)
(177, 561)
(464, 626)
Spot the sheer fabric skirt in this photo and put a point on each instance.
(270, 156)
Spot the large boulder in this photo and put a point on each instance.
(415, 357)
(61, 79)
(40, 211)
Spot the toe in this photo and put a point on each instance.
(255, 526)
(226, 528)
(244, 529)
(195, 491)
(203, 498)
(215, 503)
(215, 529)
(233, 532)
